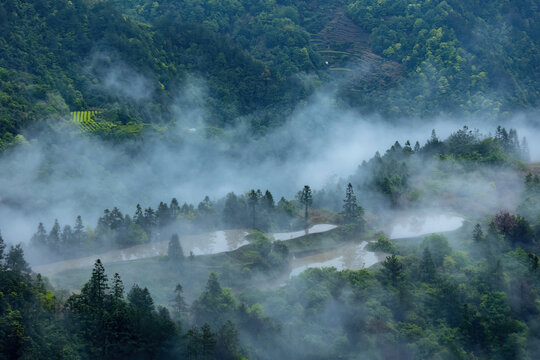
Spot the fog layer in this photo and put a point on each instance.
(63, 173)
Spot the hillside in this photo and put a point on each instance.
(138, 59)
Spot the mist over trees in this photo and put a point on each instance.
(105, 57)
(285, 236)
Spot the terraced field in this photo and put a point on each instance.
(346, 50)
(87, 121)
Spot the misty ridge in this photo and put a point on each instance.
(319, 144)
(62, 172)
(339, 179)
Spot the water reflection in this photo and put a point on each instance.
(312, 230)
(413, 225)
(351, 256)
(201, 244)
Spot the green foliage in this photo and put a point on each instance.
(446, 70)
(215, 305)
(383, 244)
(175, 251)
(438, 247)
(352, 212)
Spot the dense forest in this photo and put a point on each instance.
(131, 60)
(397, 309)
(312, 215)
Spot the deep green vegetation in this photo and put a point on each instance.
(216, 75)
(152, 61)
(404, 177)
(456, 53)
(409, 175)
(115, 230)
(471, 293)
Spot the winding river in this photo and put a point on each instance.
(352, 255)
(200, 244)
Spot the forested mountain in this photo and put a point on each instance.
(471, 293)
(131, 59)
(421, 251)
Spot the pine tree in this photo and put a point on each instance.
(427, 267)
(393, 269)
(40, 237)
(141, 299)
(15, 260)
(227, 343)
(66, 239)
(149, 222)
(118, 287)
(178, 303)
(253, 201)
(2, 248)
(174, 209)
(232, 214)
(78, 231)
(268, 200)
(95, 290)
(478, 234)
(208, 342)
(53, 239)
(163, 215)
(138, 218)
(175, 251)
(352, 213)
(525, 153)
(305, 197)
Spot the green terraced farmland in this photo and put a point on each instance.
(86, 120)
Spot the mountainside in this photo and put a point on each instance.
(259, 58)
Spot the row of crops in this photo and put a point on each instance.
(87, 121)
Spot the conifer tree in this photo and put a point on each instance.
(40, 237)
(305, 197)
(352, 212)
(175, 251)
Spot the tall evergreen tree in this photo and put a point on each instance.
(40, 237)
(53, 239)
(393, 269)
(179, 305)
(2, 248)
(78, 231)
(478, 234)
(268, 201)
(138, 218)
(305, 197)
(97, 287)
(525, 153)
(66, 240)
(118, 287)
(16, 262)
(163, 215)
(427, 267)
(253, 201)
(352, 212)
(174, 209)
(175, 251)
(140, 298)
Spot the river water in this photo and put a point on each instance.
(418, 225)
(200, 244)
(312, 230)
(352, 255)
